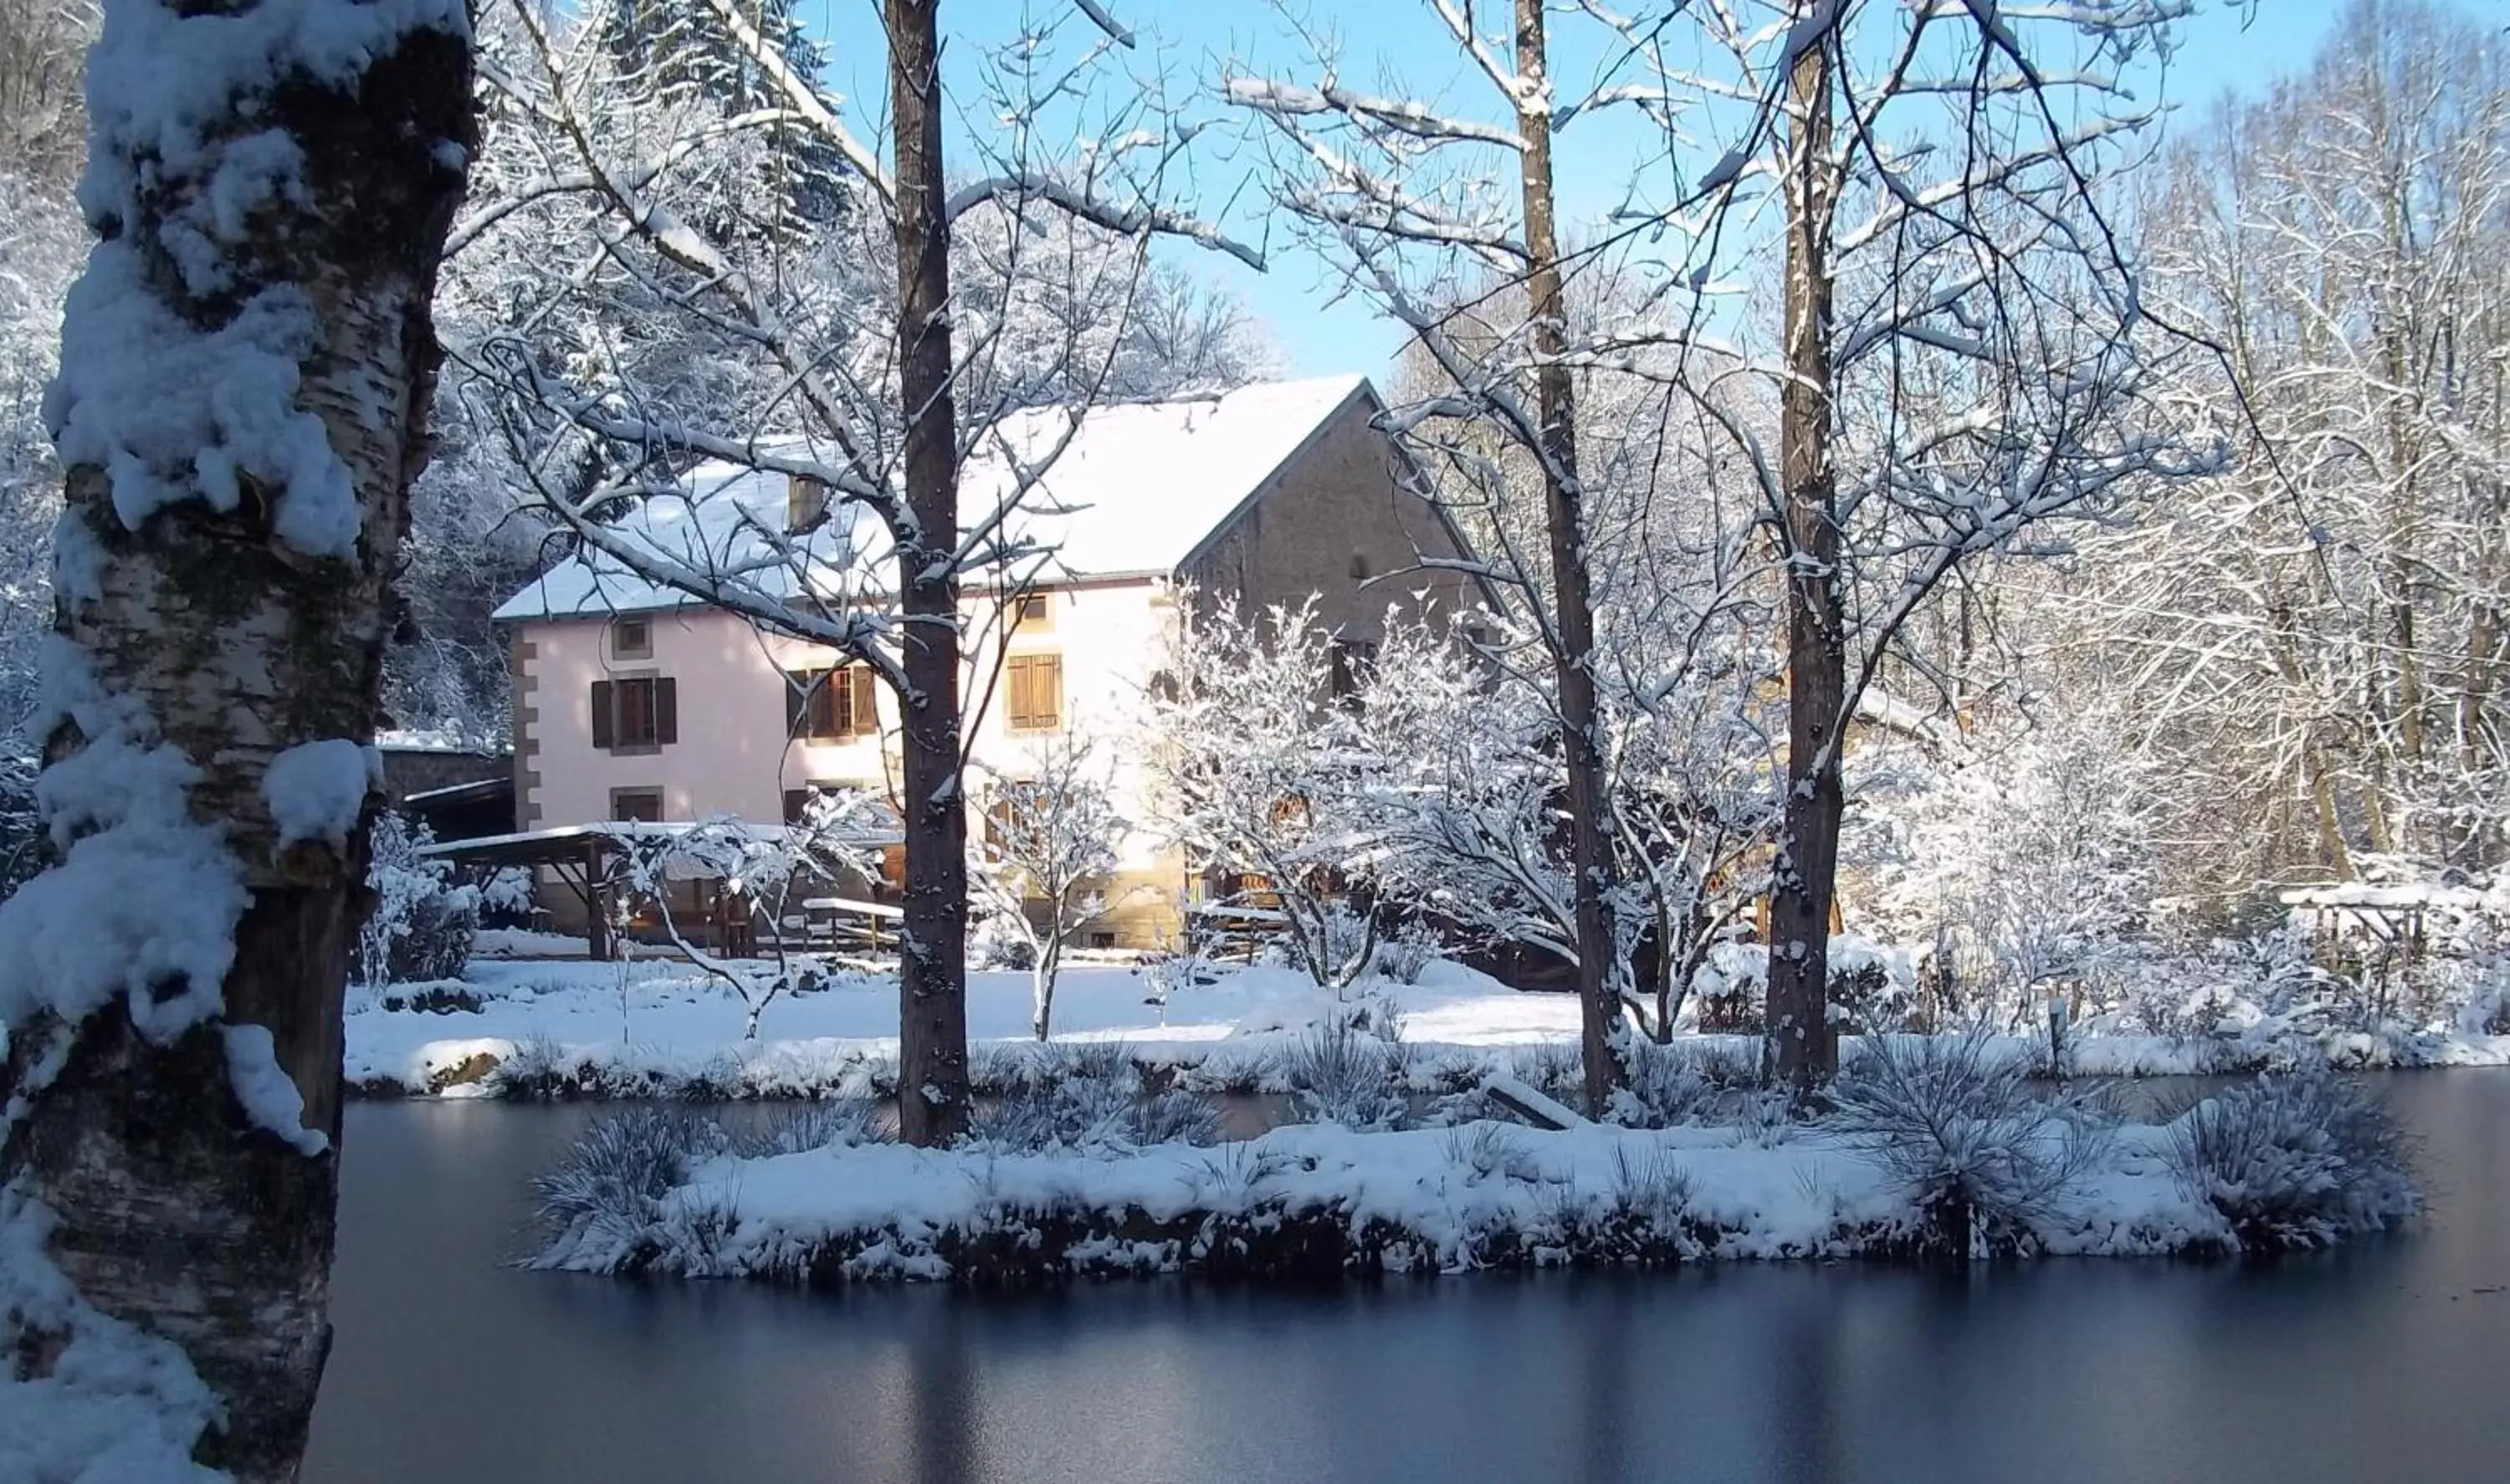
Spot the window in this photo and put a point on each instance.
(1102, 941)
(1032, 613)
(832, 704)
(1036, 692)
(636, 714)
(1351, 661)
(631, 640)
(1359, 566)
(640, 804)
(806, 503)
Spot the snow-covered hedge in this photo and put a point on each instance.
(1910, 1168)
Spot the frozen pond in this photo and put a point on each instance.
(2381, 1361)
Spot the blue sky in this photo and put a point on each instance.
(2225, 49)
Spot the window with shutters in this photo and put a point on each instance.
(636, 714)
(832, 705)
(1036, 685)
(640, 804)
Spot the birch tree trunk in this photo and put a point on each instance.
(215, 615)
(932, 964)
(1591, 852)
(1802, 1048)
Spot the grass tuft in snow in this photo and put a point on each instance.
(607, 1193)
(2296, 1161)
(839, 1123)
(1093, 1101)
(1339, 1074)
(1957, 1122)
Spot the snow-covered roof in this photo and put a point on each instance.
(1135, 492)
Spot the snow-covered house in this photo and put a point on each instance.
(632, 700)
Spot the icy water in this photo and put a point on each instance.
(2382, 1362)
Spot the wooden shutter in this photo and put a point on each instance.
(1049, 691)
(794, 800)
(864, 698)
(667, 711)
(603, 731)
(798, 702)
(1021, 672)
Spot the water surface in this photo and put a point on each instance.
(2381, 1362)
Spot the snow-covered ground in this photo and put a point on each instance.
(657, 1026)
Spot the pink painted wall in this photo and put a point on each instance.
(732, 755)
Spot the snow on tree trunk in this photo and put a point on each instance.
(247, 367)
(1801, 1048)
(932, 976)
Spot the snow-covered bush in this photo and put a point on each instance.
(839, 1123)
(1185, 960)
(1101, 1112)
(2027, 862)
(423, 925)
(1957, 1122)
(1341, 1074)
(608, 1190)
(1872, 985)
(2296, 1161)
(1663, 1086)
(997, 940)
(1406, 951)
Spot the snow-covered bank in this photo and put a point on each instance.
(655, 1028)
(1933, 1161)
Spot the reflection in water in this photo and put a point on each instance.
(2380, 1362)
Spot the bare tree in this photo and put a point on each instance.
(1050, 844)
(246, 371)
(868, 374)
(1963, 354)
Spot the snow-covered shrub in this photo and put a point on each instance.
(1097, 1107)
(1664, 1084)
(423, 925)
(1958, 1123)
(1176, 1118)
(996, 940)
(607, 1191)
(1872, 985)
(1185, 962)
(1555, 1069)
(1341, 1074)
(2296, 1161)
(840, 1122)
(506, 895)
(1407, 950)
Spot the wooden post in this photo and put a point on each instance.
(596, 904)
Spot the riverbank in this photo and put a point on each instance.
(657, 1029)
(1944, 1171)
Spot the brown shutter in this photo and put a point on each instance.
(794, 799)
(602, 718)
(1048, 687)
(798, 702)
(1020, 688)
(667, 711)
(867, 701)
